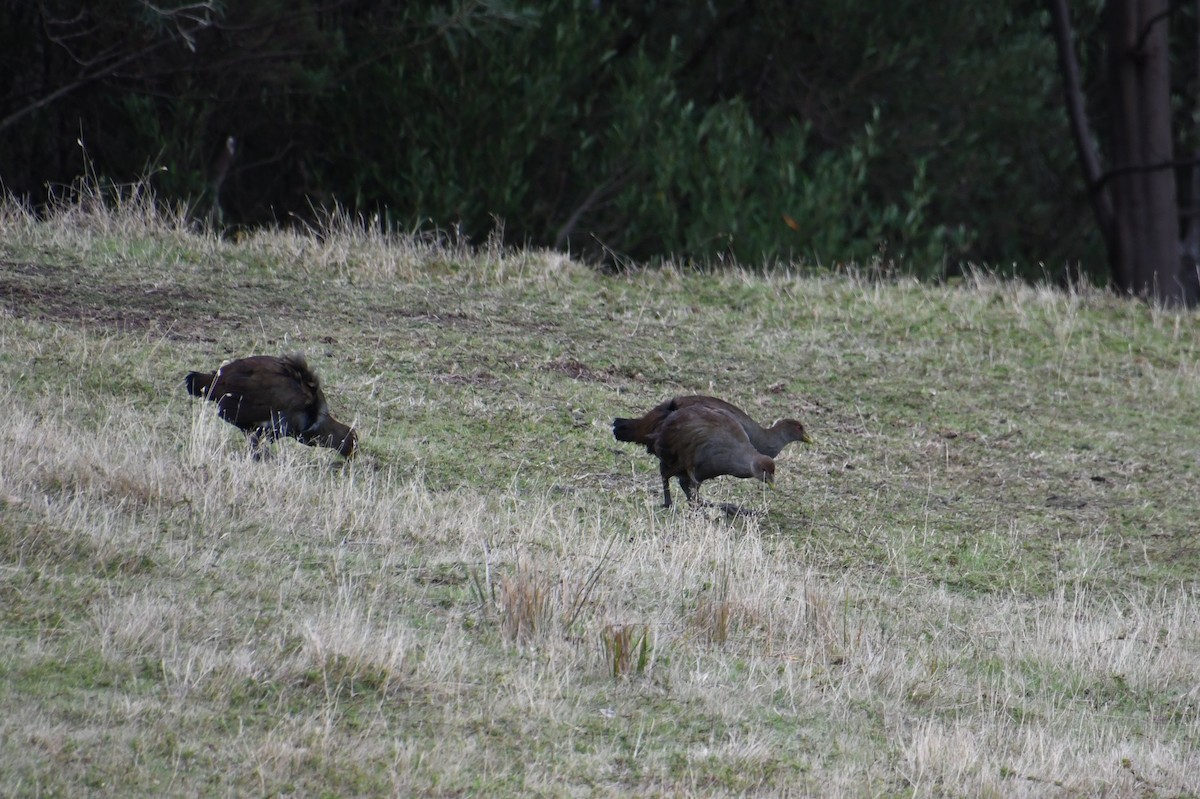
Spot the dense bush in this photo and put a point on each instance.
(823, 130)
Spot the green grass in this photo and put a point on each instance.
(980, 580)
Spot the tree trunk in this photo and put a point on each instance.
(1145, 251)
(1190, 214)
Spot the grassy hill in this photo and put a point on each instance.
(981, 580)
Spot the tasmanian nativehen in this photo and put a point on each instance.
(271, 397)
(770, 441)
(698, 443)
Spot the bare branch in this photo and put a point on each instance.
(596, 195)
(1141, 169)
(79, 83)
(1148, 27)
(1089, 160)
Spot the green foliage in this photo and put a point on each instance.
(544, 125)
(824, 130)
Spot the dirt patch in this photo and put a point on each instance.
(479, 379)
(578, 370)
(55, 293)
(437, 318)
(71, 294)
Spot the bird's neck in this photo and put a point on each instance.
(768, 439)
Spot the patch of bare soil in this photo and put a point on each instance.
(477, 379)
(578, 370)
(69, 294)
(56, 293)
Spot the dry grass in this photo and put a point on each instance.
(979, 582)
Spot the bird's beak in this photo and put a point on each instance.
(807, 438)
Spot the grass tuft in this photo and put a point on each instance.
(526, 603)
(628, 649)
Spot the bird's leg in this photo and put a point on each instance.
(260, 442)
(278, 428)
(690, 489)
(666, 491)
(255, 445)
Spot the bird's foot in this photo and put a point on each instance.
(736, 511)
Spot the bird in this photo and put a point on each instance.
(769, 441)
(271, 397)
(699, 442)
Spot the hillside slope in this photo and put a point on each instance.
(980, 579)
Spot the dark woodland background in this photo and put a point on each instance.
(921, 136)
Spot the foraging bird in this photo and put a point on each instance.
(271, 397)
(769, 441)
(699, 442)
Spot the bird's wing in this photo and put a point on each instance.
(256, 390)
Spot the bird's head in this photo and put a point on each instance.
(349, 444)
(335, 435)
(793, 430)
(763, 468)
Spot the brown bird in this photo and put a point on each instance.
(269, 397)
(769, 441)
(697, 443)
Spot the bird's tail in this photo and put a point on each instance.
(198, 383)
(626, 429)
(642, 431)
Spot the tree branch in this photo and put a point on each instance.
(596, 195)
(187, 21)
(1089, 160)
(1150, 23)
(78, 83)
(1141, 169)
(741, 10)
